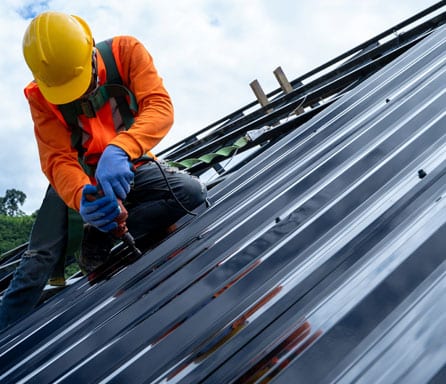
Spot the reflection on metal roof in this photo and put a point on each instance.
(321, 259)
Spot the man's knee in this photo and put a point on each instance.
(38, 264)
(194, 192)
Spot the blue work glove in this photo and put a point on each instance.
(113, 172)
(99, 210)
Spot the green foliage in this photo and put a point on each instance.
(9, 204)
(16, 226)
(71, 269)
(14, 231)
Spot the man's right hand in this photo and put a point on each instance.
(99, 211)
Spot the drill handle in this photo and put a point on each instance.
(120, 219)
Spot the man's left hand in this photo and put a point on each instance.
(113, 172)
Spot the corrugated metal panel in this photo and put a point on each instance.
(322, 260)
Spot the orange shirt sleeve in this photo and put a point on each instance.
(155, 109)
(58, 159)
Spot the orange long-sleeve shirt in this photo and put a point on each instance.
(59, 160)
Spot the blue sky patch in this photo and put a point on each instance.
(32, 9)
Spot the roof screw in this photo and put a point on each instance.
(421, 173)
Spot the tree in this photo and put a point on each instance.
(9, 204)
(14, 231)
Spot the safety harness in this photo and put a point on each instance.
(113, 88)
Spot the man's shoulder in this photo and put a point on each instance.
(123, 40)
(131, 43)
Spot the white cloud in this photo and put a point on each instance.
(207, 51)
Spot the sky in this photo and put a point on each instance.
(206, 51)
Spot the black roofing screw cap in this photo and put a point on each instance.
(421, 173)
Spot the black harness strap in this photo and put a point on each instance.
(114, 87)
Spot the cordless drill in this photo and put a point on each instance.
(121, 231)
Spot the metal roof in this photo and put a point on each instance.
(321, 258)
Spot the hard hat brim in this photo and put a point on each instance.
(69, 91)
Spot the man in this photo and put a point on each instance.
(109, 162)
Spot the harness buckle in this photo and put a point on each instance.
(94, 102)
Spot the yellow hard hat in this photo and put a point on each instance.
(58, 49)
